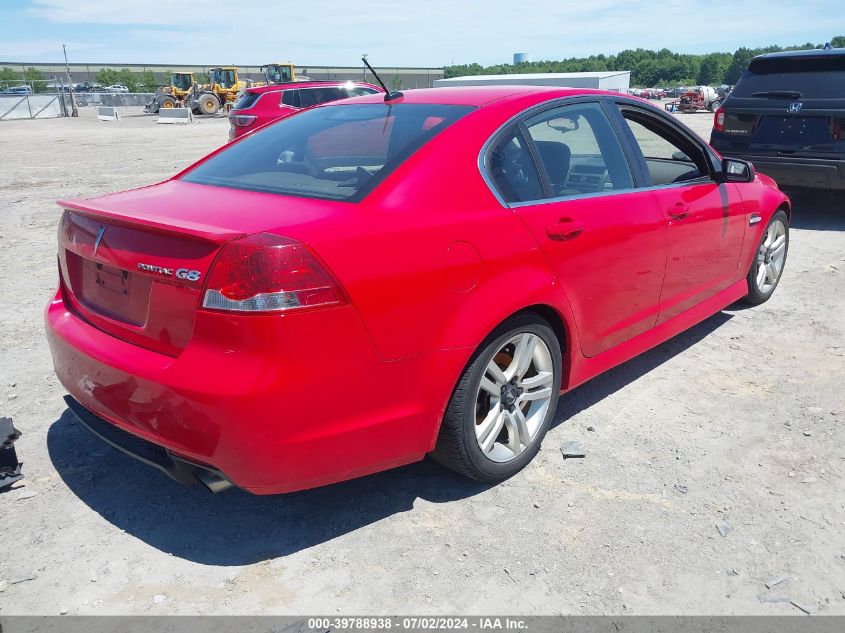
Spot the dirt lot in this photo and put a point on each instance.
(738, 422)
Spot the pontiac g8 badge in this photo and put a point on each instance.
(179, 273)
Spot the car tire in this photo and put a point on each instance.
(518, 428)
(714, 105)
(771, 255)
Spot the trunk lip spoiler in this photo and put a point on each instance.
(167, 225)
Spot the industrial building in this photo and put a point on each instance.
(397, 77)
(614, 80)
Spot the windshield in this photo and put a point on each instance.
(276, 74)
(225, 78)
(815, 77)
(181, 81)
(334, 153)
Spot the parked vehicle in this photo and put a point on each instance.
(87, 87)
(379, 278)
(258, 106)
(786, 114)
(695, 100)
(17, 90)
(116, 88)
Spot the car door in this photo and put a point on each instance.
(565, 173)
(705, 219)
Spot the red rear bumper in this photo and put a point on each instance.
(275, 403)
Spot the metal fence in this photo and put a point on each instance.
(35, 106)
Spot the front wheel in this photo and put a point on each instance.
(503, 403)
(768, 264)
(208, 104)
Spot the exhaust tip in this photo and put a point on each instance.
(214, 483)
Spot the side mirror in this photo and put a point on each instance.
(735, 170)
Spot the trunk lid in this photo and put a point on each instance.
(133, 264)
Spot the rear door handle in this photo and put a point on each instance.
(679, 211)
(564, 230)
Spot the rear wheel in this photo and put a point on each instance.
(208, 104)
(769, 261)
(714, 105)
(504, 402)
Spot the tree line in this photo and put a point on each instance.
(648, 68)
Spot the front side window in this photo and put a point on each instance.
(334, 153)
(315, 96)
(358, 91)
(669, 157)
(579, 150)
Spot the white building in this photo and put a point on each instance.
(615, 80)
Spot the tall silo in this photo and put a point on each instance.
(522, 58)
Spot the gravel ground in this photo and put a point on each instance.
(737, 423)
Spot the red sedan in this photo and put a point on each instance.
(261, 105)
(371, 281)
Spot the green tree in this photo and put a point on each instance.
(33, 77)
(7, 77)
(838, 41)
(107, 77)
(148, 81)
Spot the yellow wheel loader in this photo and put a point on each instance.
(220, 92)
(172, 96)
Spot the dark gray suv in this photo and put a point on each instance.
(787, 115)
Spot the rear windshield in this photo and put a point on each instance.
(247, 100)
(333, 153)
(821, 77)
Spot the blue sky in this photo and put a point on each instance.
(397, 32)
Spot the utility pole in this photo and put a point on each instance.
(74, 111)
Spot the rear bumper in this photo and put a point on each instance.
(270, 403)
(789, 171)
(180, 470)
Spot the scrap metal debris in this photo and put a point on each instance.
(775, 581)
(10, 467)
(572, 449)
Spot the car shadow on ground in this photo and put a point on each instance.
(236, 528)
(817, 210)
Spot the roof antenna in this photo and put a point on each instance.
(389, 96)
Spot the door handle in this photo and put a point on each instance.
(564, 230)
(679, 211)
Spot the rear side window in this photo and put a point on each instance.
(247, 100)
(512, 169)
(579, 150)
(815, 77)
(291, 98)
(335, 153)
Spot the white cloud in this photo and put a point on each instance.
(21, 50)
(430, 32)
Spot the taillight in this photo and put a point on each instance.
(268, 273)
(719, 120)
(241, 120)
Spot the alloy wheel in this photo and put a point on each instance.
(771, 257)
(513, 397)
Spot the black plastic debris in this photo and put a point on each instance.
(10, 467)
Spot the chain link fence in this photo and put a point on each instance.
(51, 99)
